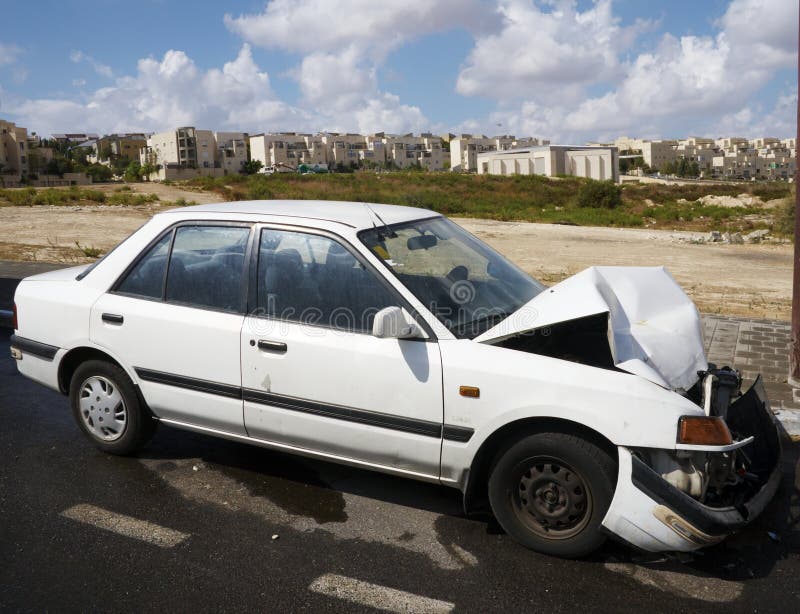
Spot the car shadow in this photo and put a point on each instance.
(300, 485)
(315, 488)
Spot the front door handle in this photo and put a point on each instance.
(272, 346)
(112, 318)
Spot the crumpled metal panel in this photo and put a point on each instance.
(654, 328)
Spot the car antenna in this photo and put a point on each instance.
(389, 232)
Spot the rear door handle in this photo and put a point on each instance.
(112, 318)
(272, 346)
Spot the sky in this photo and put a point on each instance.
(567, 70)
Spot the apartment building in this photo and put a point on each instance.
(766, 142)
(117, 146)
(185, 147)
(350, 149)
(740, 163)
(13, 149)
(288, 150)
(231, 150)
(600, 163)
(655, 153)
(73, 137)
(407, 151)
(464, 149)
(731, 143)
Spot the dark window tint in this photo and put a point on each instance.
(206, 267)
(313, 279)
(147, 277)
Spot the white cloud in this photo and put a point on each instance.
(753, 121)
(762, 32)
(169, 92)
(101, 69)
(9, 53)
(309, 26)
(344, 42)
(684, 80)
(542, 45)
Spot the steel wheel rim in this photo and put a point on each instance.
(551, 498)
(102, 408)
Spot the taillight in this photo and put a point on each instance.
(14, 324)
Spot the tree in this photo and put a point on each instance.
(251, 167)
(669, 168)
(99, 173)
(120, 164)
(599, 194)
(133, 172)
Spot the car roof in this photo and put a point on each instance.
(355, 215)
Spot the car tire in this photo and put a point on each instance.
(550, 492)
(108, 410)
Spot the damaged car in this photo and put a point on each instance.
(389, 338)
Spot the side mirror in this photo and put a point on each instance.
(394, 323)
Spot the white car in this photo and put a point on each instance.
(389, 338)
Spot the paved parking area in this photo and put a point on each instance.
(201, 524)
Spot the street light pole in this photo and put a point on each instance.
(794, 358)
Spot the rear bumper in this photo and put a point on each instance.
(36, 360)
(34, 348)
(650, 513)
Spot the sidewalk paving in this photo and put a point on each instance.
(753, 347)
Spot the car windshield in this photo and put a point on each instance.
(464, 282)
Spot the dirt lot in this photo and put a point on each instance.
(752, 280)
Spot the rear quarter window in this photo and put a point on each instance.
(146, 279)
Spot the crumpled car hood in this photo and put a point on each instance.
(654, 328)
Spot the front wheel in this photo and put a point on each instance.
(107, 409)
(550, 492)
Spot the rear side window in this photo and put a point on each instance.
(147, 277)
(207, 266)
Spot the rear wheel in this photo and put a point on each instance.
(107, 409)
(550, 492)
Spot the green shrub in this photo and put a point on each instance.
(784, 219)
(599, 194)
(89, 252)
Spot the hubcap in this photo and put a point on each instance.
(102, 408)
(551, 498)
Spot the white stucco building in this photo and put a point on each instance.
(464, 149)
(601, 163)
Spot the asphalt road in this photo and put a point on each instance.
(234, 527)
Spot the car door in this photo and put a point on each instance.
(315, 378)
(176, 317)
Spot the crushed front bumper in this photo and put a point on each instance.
(651, 514)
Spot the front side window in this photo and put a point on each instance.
(314, 280)
(146, 279)
(462, 281)
(206, 267)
